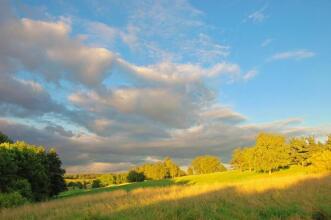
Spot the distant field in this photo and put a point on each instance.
(289, 194)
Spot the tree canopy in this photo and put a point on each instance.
(273, 152)
(30, 170)
(207, 164)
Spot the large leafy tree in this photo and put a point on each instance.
(299, 151)
(237, 160)
(207, 164)
(321, 160)
(29, 170)
(135, 176)
(172, 169)
(160, 170)
(55, 173)
(272, 152)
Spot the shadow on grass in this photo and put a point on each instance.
(306, 199)
(126, 187)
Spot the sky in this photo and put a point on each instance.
(112, 84)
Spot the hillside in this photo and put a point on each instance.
(293, 193)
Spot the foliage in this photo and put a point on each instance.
(272, 152)
(75, 185)
(189, 171)
(135, 176)
(30, 170)
(288, 194)
(160, 170)
(207, 164)
(55, 173)
(82, 176)
(321, 160)
(96, 183)
(13, 199)
(113, 178)
(4, 138)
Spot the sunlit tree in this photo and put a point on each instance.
(207, 164)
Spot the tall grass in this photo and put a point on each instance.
(279, 196)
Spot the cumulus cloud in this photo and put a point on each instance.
(293, 55)
(49, 50)
(25, 97)
(163, 108)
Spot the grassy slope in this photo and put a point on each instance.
(229, 195)
(223, 177)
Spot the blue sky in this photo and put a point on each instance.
(113, 84)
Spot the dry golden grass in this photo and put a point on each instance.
(297, 196)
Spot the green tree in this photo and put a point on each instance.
(189, 171)
(172, 169)
(207, 164)
(107, 179)
(237, 159)
(55, 173)
(271, 152)
(4, 138)
(299, 150)
(135, 176)
(29, 170)
(8, 169)
(96, 183)
(321, 160)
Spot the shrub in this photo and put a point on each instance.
(8, 200)
(23, 187)
(96, 183)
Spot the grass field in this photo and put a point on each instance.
(289, 194)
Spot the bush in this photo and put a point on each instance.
(135, 176)
(23, 187)
(8, 200)
(96, 183)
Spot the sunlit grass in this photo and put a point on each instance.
(292, 194)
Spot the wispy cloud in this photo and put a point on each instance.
(266, 42)
(257, 16)
(293, 55)
(250, 74)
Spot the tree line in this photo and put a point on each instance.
(29, 172)
(273, 152)
(160, 170)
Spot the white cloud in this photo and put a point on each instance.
(293, 55)
(266, 42)
(257, 16)
(49, 50)
(165, 109)
(250, 74)
(167, 72)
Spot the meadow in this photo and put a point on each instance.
(295, 193)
